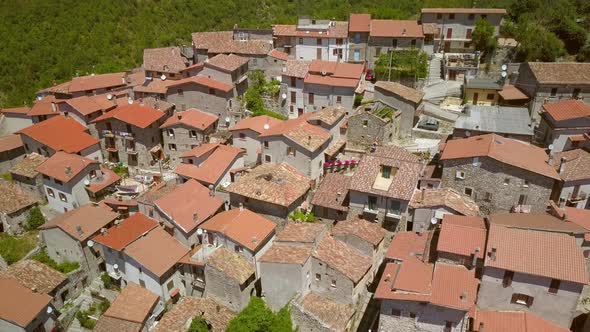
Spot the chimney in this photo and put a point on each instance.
(493, 254)
(309, 139)
(562, 165)
(195, 217)
(422, 194)
(79, 229)
(179, 116)
(211, 190)
(53, 106)
(474, 261)
(241, 207)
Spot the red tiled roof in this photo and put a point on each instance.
(60, 134)
(567, 109)
(444, 197)
(297, 68)
(332, 315)
(135, 114)
(107, 179)
(286, 254)
(155, 59)
(90, 104)
(536, 221)
(193, 118)
(510, 92)
(148, 251)
(200, 150)
(187, 200)
(204, 81)
(43, 107)
(256, 123)
(514, 321)
(129, 230)
(20, 305)
(454, 286)
(64, 166)
(93, 82)
(396, 29)
(578, 216)
(301, 132)
(504, 150)
(155, 85)
(334, 73)
(214, 167)
(359, 23)
(134, 303)
(278, 54)
(227, 62)
(343, 258)
(462, 235)
(407, 245)
(231, 264)
(83, 222)
(576, 73)
(339, 30)
(16, 110)
(464, 11)
(538, 253)
(242, 226)
(332, 192)
(301, 232)
(10, 142)
(363, 229)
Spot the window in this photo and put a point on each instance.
(338, 41)
(291, 151)
(50, 192)
(293, 97)
(171, 132)
(300, 41)
(438, 16)
(451, 16)
(92, 174)
(180, 92)
(506, 181)
(413, 44)
(484, 16)
(554, 286)
(448, 326)
(212, 91)
(265, 144)
(318, 277)
(333, 283)
(396, 312)
(460, 175)
(576, 93)
(372, 203)
(395, 207)
(238, 249)
(170, 285)
(553, 92)
(318, 41)
(377, 51)
(471, 17)
(58, 182)
(385, 171)
(522, 299)
(357, 38)
(172, 147)
(193, 133)
(394, 43)
(242, 136)
(365, 123)
(488, 197)
(522, 199)
(412, 315)
(267, 158)
(142, 283)
(128, 128)
(490, 96)
(475, 162)
(311, 98)
(63, 198)
(507, 280)
(293, 81)
(468, 34)
(468, 191)
(526, 183)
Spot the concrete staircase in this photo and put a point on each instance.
(435, 70)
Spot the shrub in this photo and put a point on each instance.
(358, 99)
(64, 267)
(106, 280)
(13, 248)
(198, 325)
(35, 219)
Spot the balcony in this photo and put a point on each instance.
(370, 210)
(131, 150)
(126, 135)
(111, 148)
(578, 197)
(108, 133)
(393, 214)
(521, 209)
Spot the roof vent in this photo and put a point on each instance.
(68, 170)
(195, 217)
(268, 177)
(463, 296)
(79, 229)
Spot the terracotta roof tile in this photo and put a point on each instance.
(107, 324)
(212, 169)
(15, 110)
(87, 105)
(567, 109)
(396, 29)
(363, 229)
(166, 59)
(334, 73)
(106, 179)
(129, 230)
(301, 132)
(65, 166)
(343, 258)
(504, 150)
(256, 123)
(192, 118)
(560, 72)
(514, 321)
(332, 314)
(462, 236)
(332, 192)
(204, 81)
(10, 142)
(445, 197)
(141, 116)
(20, 305)
(329, 115)
(28, 165)
(536, 221)
(464, 11)
(301, 232)
(176, 319)
(159, 190)
(226, 62)
(83, 222)
(454, 286)
(510, 92)
(148, 249)
(286, 254)
(278, 54)
(243, 226)
(405, 173)
(12, 198)
(405, 245)
(578, 216)
(297, 68)
(430, 28)
(279, 184)
(133, 305)
(155, 85)
(401, 90)
(208, 39)
(35, 276)
(339, 30)
(241, 47)
(186, 200)
(43, 107)
(538, 253)
(72, 137)
(232, 264)
(93, 82)
(359, 23)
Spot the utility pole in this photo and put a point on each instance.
(390, 59)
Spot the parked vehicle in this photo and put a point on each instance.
(370, 75)
(428, 124)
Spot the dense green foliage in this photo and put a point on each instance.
(299, 215)
(34, 219)
(408, 64)
(257, 317)
(261, 87)
(13, 248)
(483, 37)
(64, 267)
(97, 308)
(107, 281)
(198, 325)
(121, 170)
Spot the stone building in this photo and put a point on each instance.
(330, 200)
(186, 130)
(574, 171)
(383, 184)
(462, 241)
(14, 208)
(23, 309)
(500, 174)
(168, 61)
(246, 136)
(393, 35)
(130, 134)
(402, 99)
(563, 124)
(545, 82)
(15, 118)
(211, 164)
(181, 315)
(534, 271)
(371, 124)
(364, 236)
(12, 151)
(359, 26)
(24, 174)
(314, 312)
(230, 279)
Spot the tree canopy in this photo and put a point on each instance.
(257, 317)
(483, 37)
(198, 325)
(404, 64)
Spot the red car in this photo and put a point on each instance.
(369, 75)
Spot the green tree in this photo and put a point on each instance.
(483, 37)
(257, 317)
(198, 325)
(282, 321)
(412, 64)
(35, 218)
(538, 44)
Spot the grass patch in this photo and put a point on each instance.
(14, 248)
(299, 215)
(97, 308)
(65, 267)
(121, 170)
(7, 176)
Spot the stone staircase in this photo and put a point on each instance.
(84, 301)
(435, 70)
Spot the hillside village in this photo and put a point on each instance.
(301, 173)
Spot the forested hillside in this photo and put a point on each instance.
(49, 41)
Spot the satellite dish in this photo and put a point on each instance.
(90, 243)
(284, 95)
(39, 98)
(550, 147)
(467, 133)
(110, 96)
(504, 74)
(129, 101)
(199, 231)
(266, 126)
(433, 221)
(504, 67)
(49, 310)
(163, 77)
(227, 119)
(115, 266)
(86, 182)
